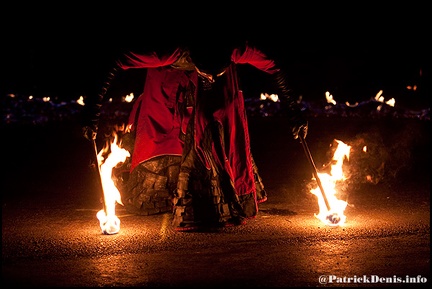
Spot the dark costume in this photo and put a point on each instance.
(191, 151)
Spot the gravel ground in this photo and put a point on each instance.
(51, 236)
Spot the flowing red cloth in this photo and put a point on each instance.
(157, 120)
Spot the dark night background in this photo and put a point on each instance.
(63, 51)
(353, 49)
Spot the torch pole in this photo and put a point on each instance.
(98, 171)
(314, 169)
(98, 104)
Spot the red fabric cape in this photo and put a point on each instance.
(157, 121)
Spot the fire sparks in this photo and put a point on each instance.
(331, 209)
(109, 222)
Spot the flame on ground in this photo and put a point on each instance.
(109, 222)
(333, 216)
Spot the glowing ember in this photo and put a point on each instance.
(109, 222)
(332, 212)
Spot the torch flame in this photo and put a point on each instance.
(109, 222)
(333, 216)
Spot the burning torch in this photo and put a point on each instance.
(332, 217)
(91, 116)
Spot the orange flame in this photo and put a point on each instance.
(333, 216)
(109, 222)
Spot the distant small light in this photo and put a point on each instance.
(129, 97)
(81, 100)
(329, 98)
(391, 102)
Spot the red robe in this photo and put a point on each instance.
(157, 120)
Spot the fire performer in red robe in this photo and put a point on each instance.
(190, 152)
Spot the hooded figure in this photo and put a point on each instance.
(190, 149)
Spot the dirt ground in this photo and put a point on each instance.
(51, 236)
